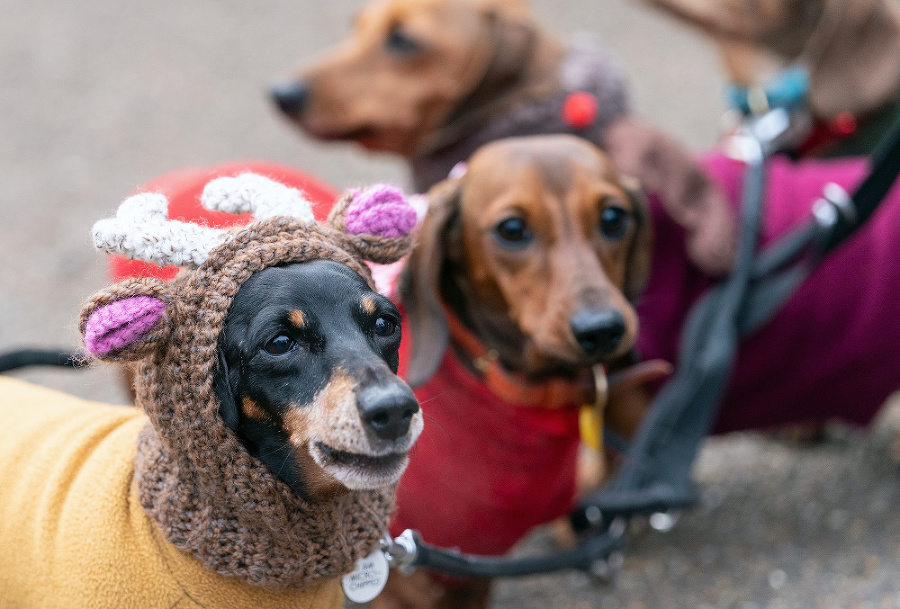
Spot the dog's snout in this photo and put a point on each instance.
(290, 97)
(598, 332)
(387, 411)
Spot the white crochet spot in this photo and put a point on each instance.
(144, 206)
(141, 231)
(253, 193)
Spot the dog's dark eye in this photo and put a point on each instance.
(402, 43)
(514, 232)
(385, 327)
(280, 345)
(614, 222)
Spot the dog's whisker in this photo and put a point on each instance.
(275, 452)
(283, 463)
(432, 398)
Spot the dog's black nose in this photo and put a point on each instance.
(291, 97)
(387, 410)
(598, 331)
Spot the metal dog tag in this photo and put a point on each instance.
(367, 580)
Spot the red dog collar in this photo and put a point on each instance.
(515, 388)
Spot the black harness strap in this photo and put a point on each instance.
(456, 564)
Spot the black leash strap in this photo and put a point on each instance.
(586, 556)
(885, 168)
(660, 459)
(22, 358)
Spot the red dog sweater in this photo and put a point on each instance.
(484, 471)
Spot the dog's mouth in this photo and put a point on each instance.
(370, 137)
(355, 134)
(359, 471)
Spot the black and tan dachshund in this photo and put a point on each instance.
(307, 379)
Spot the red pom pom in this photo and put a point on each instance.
(843, 124)
(579, 111)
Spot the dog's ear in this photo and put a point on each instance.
(686, 192)
(858, 70)
(228, 409)
(640, 251)
(420, 283)
(512, 39)
(125, 321)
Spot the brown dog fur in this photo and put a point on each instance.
(466, 63)
(850, 47)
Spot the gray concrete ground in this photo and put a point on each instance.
(98, 96)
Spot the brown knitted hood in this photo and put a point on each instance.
(207, 494)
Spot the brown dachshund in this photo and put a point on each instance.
(433, 80)
(851, 49)
(539, 248)
(532, 257)
(411, 64)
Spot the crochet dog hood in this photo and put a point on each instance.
(195, 479)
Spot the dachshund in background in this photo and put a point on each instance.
(851, 49)
(433, 80)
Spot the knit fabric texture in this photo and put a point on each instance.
(162, 241)
(586, 68)
(195, 479)
(381, 210)
(184, 187)
(121, 323)
(74, 533)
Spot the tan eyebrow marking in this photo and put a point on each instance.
(252, 409)
(368, 304)
(298, 318)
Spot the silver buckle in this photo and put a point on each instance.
(835, 203)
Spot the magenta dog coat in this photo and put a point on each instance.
(832, 352)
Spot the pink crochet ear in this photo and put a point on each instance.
(121, 323)
(380, 210)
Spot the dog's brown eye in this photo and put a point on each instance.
(614, 222)
(280, 345)
(400, 42)
(513, 232)
(385, 327)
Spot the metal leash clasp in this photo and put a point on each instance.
(835, 203)
(401, 551)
